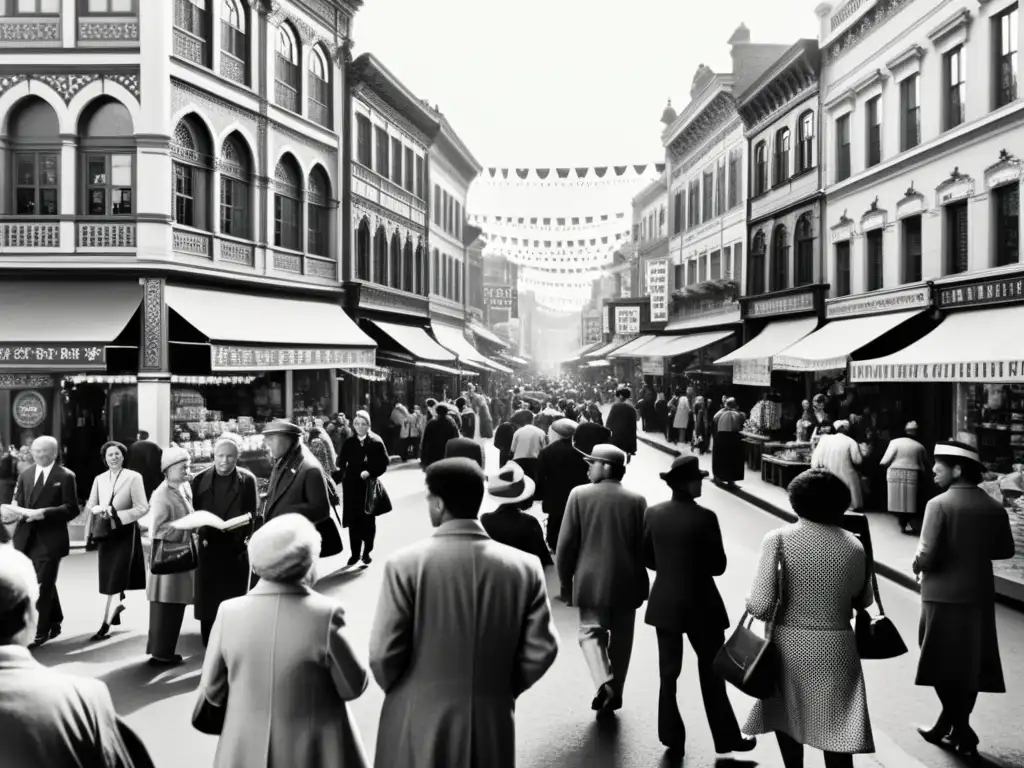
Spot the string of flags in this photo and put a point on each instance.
(556, 244)
(548, 224)
(553, 175)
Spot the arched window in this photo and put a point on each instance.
(435, 272)
(34, 133)
(782, 155)
(363, 260)
(380, 256)
(192, 33)
(234, 44)
(286, 69)
(395, 264)
(805, 141)
(779, 271)
(755, 270)
(760, 168)
(287, 204)
(417, 285)
(804, 250)
(235, 188)
(318, 213)
(192, 162)
(408, 268)
(319, 88)
(107, 147)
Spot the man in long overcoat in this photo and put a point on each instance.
(453, 660)
(560, 468)
(600, 553)
(439, 430)
(622, 421)
(144, 458)
(297, 480)
(683, 545)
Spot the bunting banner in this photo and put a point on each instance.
(562, 304)
(568, 177)
(567, 224)
(554, 259)
(593, 242)
(577, 279)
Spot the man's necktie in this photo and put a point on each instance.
(38, 487)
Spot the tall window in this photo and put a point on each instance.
(760, 168)
(437, 204)
(286, 69)
(435, 272)
(408, 268)
(190, 17)
(363, 251)
(910, 112)
(805, 138)
(458, 219)
(233, 41)
(957, 244)
(395, 261)
(782, 140)
(1005, 30)
(191, 166)
(1007, 208)
(396, 161)
(33, 8)
(410, 169)
(873, 126)
(843, 148)
(956, 88)
(735, 155)
(727, 263)
(34, 135)
(716, 265)
(235, 188)
(677, 213)
(446, 211)
(418, 285)
(287, 199)
(843, 268)
(709, 191)
(755, 273)
(419, 178)
(691, 272)
(737, 260)
(875, 275)
(318, 214)
(383, 166)
(779, 270)
(693, 217)
(804, 251)
(380, 256)
(911, 227)
(720, 188)
(364, 141)
(702, 268)
(319, 88)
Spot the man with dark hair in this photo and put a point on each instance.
(683, 545)
(463, 623)
(463, 447)
(622, 421)
(436, 434)
(144, 458)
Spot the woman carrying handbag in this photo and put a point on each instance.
(362, 460)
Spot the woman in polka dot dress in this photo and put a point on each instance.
(820, 702)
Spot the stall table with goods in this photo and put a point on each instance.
(782, 462)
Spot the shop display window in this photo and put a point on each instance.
(311, 394)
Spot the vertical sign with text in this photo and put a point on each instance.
(627, 321)
(657, 287)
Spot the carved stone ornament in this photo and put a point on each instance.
(872, 20)
(957, 187)
(1006, 171)
(68, 85)
(705, 124)
(340, 53)
(152, 323)
(874, 217)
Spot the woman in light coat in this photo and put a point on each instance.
(280, 657)
(840, 455)
(906, 464)
(169, 593)
(119, 496)
(821, 701)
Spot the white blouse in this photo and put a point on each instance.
(129, 494)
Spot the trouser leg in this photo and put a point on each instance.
(620, 647)
(164, 628)
(205, 627)
(670, 664)
(791, 749)
(725, 731)
(48, 605)
(369, 533)
(554, 526)
(838, 760)
(355, 541)
(593, 638)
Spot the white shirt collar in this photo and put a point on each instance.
(45, 471)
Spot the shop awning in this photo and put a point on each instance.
(972, 346)
(452, 339)
(484, 333)
(516, 360)
(441, 369)
(671, 346)
(368, 373)
(775, 338)
(249, 332)
(498, 366)
(635, 347)
(607, 349)
(579, 353)
(415, 341)
(598, 363)
(830, 347)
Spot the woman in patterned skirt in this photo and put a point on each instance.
(906, 464)
(821, 701)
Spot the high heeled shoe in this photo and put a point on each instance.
(102, 634)
(115, 620)
(938, 734)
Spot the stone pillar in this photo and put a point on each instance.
(68, 174)
(289, 395)
(154, 364)
(334, 391)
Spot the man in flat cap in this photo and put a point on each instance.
(465, 448)
(683, 545)
(463, 627)
(560, 468)
(297, 480)
(600, 553)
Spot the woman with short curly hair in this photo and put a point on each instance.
(820, 701)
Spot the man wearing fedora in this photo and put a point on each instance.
(297, 480)
(683, 546)
(560, 468)
(512, 492)
(600, 553)
(463, 627)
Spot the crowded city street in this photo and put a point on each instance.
(554, 724)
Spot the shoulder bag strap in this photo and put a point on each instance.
(780, 588)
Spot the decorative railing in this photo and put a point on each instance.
(191, 243)
(288, 262)
(232, 68)
(189, 47)
(286, 97)
(318, 113)
(107, 235)
(108, 30)
(318, 267)
(237, 253)
(35, 30)
(36, 234)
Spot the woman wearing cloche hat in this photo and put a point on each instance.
(511, 491)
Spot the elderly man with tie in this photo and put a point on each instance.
(48, 500)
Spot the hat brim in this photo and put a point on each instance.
(702, 474)
(529, 489)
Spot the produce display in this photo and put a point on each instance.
(797, 453)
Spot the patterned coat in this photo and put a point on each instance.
(821, 700)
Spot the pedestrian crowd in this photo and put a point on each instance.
(463, 623)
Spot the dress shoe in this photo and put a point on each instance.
(745, 744)
(103, 633)
(55, 631)
(367, 559)
(604, 700)
(174, 661)
(353, 560)
(115, 620)
(935, 734)
(39, 641)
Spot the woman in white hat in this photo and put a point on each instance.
(511, 491)
(169, 593)
(906, 465)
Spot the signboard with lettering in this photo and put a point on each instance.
(502, 297)
(780, 305)
(1003, 371)
(627, 321)
(652, 366)
(591, 327)
(756, 372)
(29, 409)
(78, 357)
(657, 287)
(981, 292)
(627, 285)
(232, 358)
(606, 319)
(876, 303)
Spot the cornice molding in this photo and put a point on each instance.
(718, 113)
(957, 24)
(875, 77)
(847, 97)
(372, 99)
(905, 63)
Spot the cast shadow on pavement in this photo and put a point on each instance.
(79, 649)
(338, 577)
(600, 747)
(137, 685)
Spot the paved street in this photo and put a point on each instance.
(554, 721)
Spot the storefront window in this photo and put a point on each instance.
(312, 394)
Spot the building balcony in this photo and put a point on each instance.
(34, 234)
(385, 298)
(192, 242)
(105, 235)
(34, 31)
(371, 185)
(108, 31)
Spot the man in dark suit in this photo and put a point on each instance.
(683, 545)
(49, 498)
(560, 468)
(297, 480)
(622, 421)
(600, 553)
(144, 458)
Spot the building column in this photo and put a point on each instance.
(334, 391)
(289, 395)
(154, 380)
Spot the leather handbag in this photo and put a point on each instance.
(377, 500)
(747, 660)
(877, 637)
(174, 556)
(101, 528)
(208, 717)
(330, 527)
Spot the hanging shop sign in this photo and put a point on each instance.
(627, 321)
(53, 355)
(606, 320)
(591, 327)
(756, 372)
(652, 366)
(974, 293)
(232, 358)
(29, 409)
(657, 287)
(771, 306)
(878, 302)
(502, 297)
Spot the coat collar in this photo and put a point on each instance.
(265, 587)
(286, 469)
(205, 483)
(17, 657)
(471, 528)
